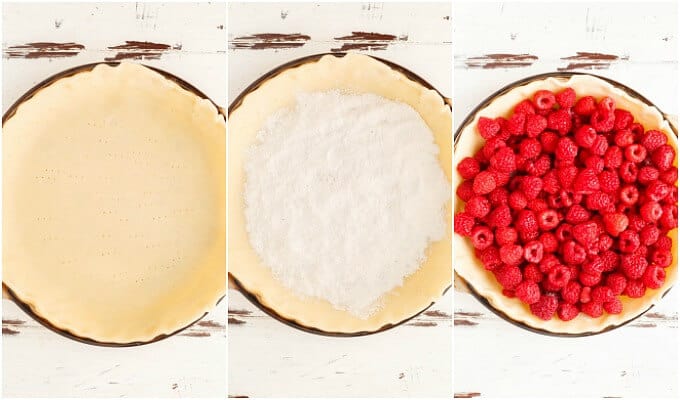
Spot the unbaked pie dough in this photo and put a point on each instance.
(358, 74)
(483, 282)
(114, 204)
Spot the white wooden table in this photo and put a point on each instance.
(188, 40)
(494, 45)
(267, 358)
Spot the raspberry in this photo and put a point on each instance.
(649, 235)
(499, 217)
(647, 175)
(548, 141)
(573, 253)
(653, 139)
(584, 297)
(464, 190)
(624, 138)
(524, 107)
(670, 177)
(488, 127)
(654, 277)
(600, 146)
(511, 254)
(615, 223)
(498, 196)
(537, 205)
(629, 241)
(633, 266)
(664, 243)
(478, 206)
(550, 183)
(617, 283)
(508, 293)
(585, 136)
(663, 157)
(563, 232)
(544, 100)
(463, 223)
(602, 120)
(613, 306)
(535, 124)
(595, 266)
(484, 183)
(594, 162)
(566, 149)
(509, 276)
(622, 119)
(609, 181)
(601, 294)
(598, 201)
(515, 124)
(587, 279)
(592, 309)
(635, 288)
(585, 232)
(669, 218)
(662, 258)
(628, 195)
(505, 235)
(560, 121)
(526, 222)
(605, 242)
(533, 251)
(528, 292)
(657, 191)
(567, 312)
(532, 273)
(539, 167)
(637, 129)
(651, 211)
(517, 200)
(585, 106)
(545, 307)
(481, 237)
(586, 181)
(672, 197)
(606, 104)
(558, 277)
(566, 98)
(610, 260)
(531, 186)
(636, 153)
(613, 157)
(549, 242)
(628, 171)
(577, 214)
(571, 292)
(503, 160)
(530, 148)
(491, 146)
(566, 176)
(501, 178)
(489, 257)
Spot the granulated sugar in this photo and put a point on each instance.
(343, 194)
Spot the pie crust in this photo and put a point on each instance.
(113, 204)
(359, 74)
(482, 281)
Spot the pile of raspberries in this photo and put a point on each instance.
(569, 204)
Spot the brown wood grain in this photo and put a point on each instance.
(500, 60)
(137, 50)
(466, 395)
(590, 60)
(269, 41)
(44, 50)
(367, 41)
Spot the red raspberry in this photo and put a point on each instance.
(657, 191)
(503, 160)
(539, 167)
(585, 106)
(609, 181)
(530, 148)
(577, 214)
(506, 235)
(602, 120)
(636, 153)
(670, 177)
(566, 176)
(669, 218)
(672, 197)
(617, 283)
(654, 277)
(533, 273)
(501, 178)
(600, 146)
(484, 183)
(524, 107)
(508, 293)
(635, 288)
(653, 139)
(629, 241)
(610, 260)
(641, 251)
(649, 235)
(545, 307)
(498, 197)
(563, 232)
(624, 138)
(613, 157)
(663, 157)
(598, 201)
(660, 257)
(549, 242)
(651, 211)
(560, 121)
(511, 254)
(637, 129)
(517, 200)
(594, 162)
(585, 294)
(647, 175)
(544, 100)
(664, 243)
(566, 98)
(606, 104)
(594, 266)
(526, 222)
(573, 253)
(533, 251)
(489, 257)
(537, 205)
(549, 141)
(628, 171)
(633, 266)
(587, 279)
(628, 195)
(515, 124)
(550, 183)
(586, 181)
(615, 223)
(614, 306)
(601, 294)
(478, 206)
(464, 190)
(622, 119)
(592, 309)
(571, 292)
(566, 149)
(567, 312)
(488, 127)
(636, 223)
(535, 124)
(558, 277)
(491, 146)
(585, 136)
(499, 217)
(509, 276)
(531, 186)
(481, 237)
(605, 242)
(528, 292)
(463, 223)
